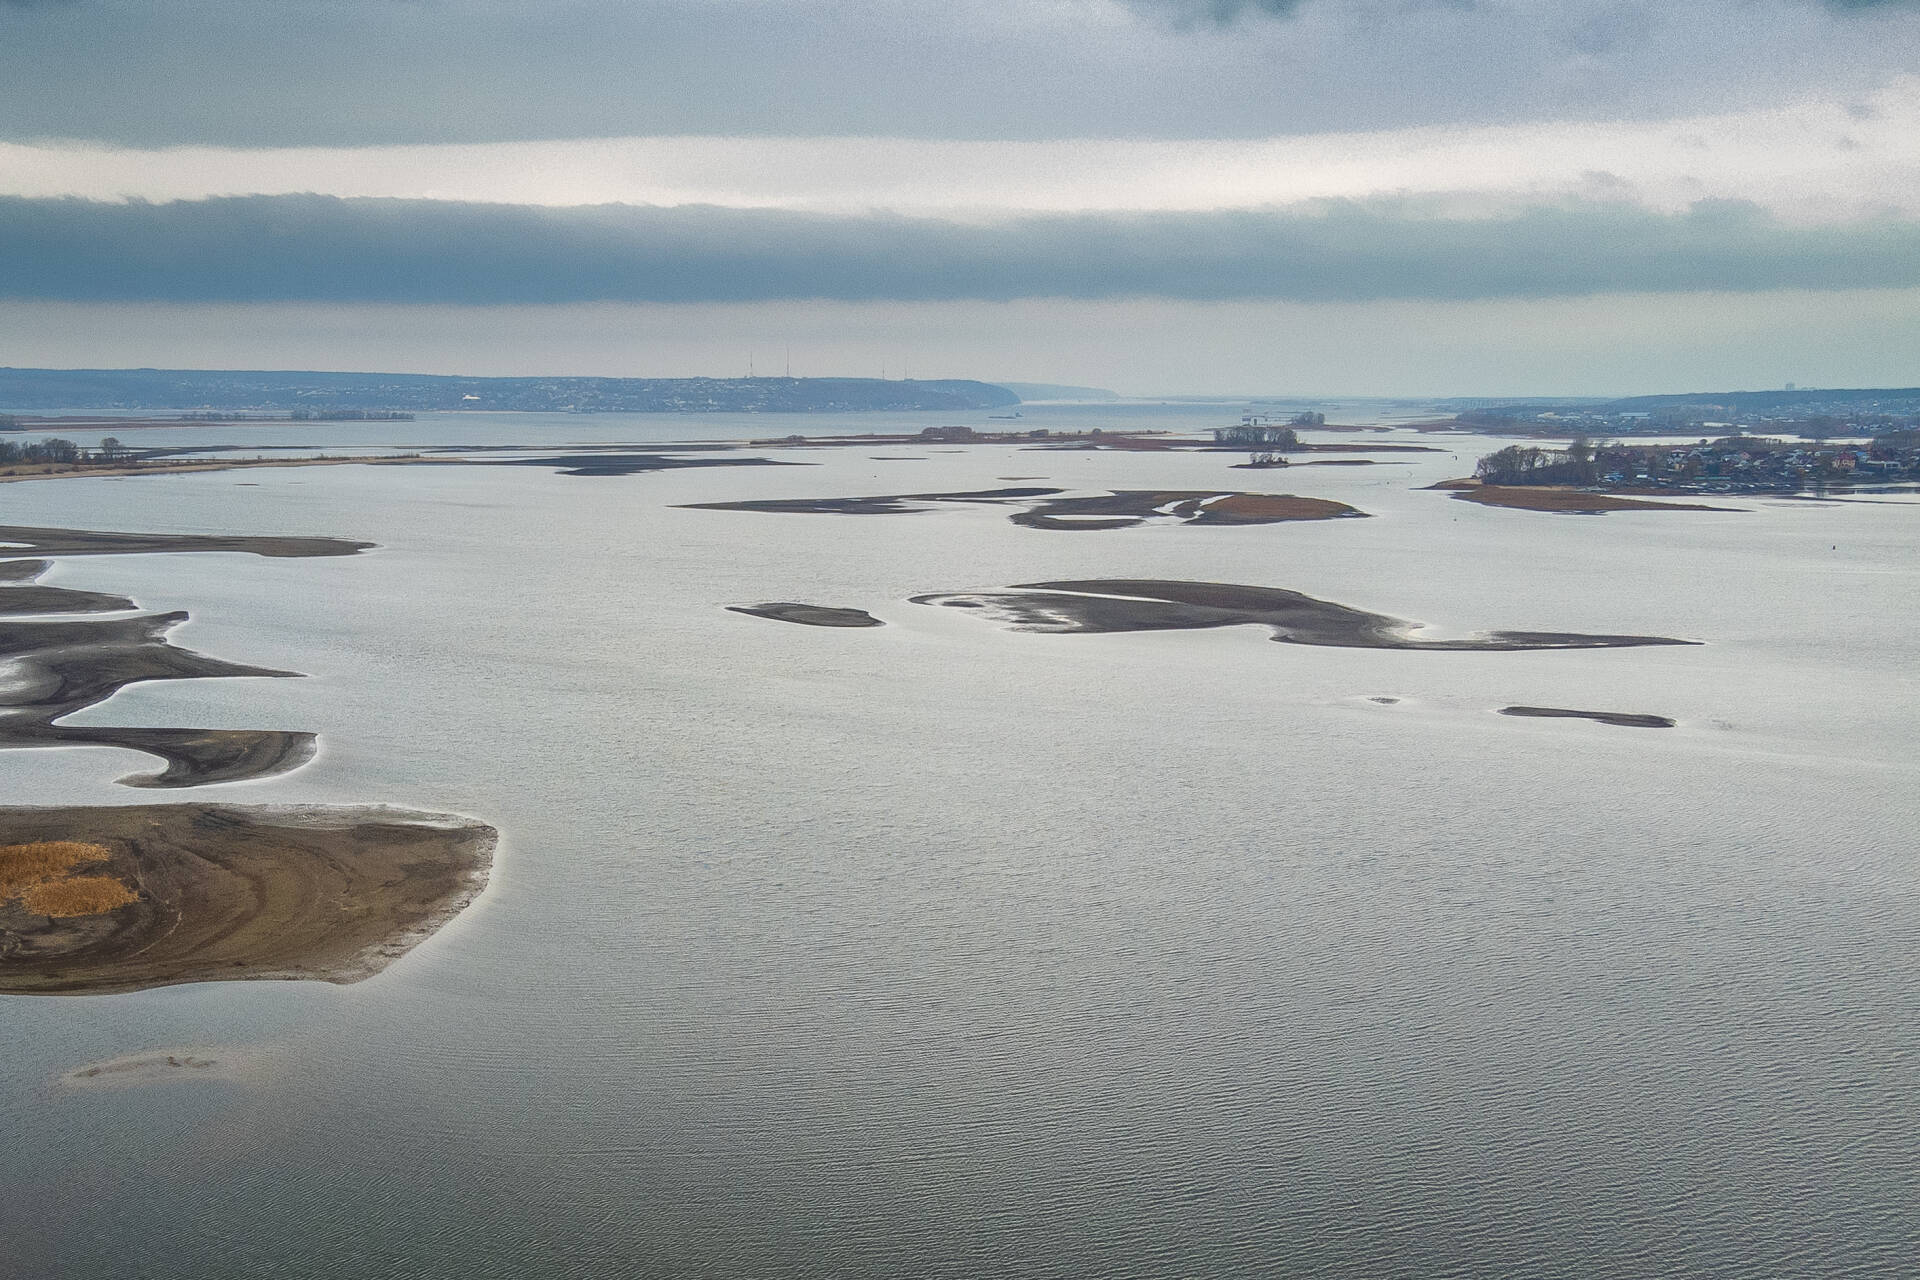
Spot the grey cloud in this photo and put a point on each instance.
(1600, 17)
(316, 248)
(1220, 11)
(357, 72)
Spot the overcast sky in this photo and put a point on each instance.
(1321, 196)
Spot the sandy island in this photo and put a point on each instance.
(110, 899)
(1625, 719)
(1048, 509)
(1559, 498)
(811, 615)
(1132, 604)
(614, 463)
(66, 661)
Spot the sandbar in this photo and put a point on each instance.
(620, 464)
(1136, 604)
(20, 593)
(810, 615)
(32, 540)
(66, 660)
(222, 893)
(1126, 508)
(898, 504)
(1047, 508)
(1562, 500)
(1625, 719)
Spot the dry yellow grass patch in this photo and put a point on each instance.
(41, 876)
(25, 864)
(76, 896)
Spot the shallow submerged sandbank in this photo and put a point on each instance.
(1046, 508)
(1141, 604)
(810, 615)
(109, 899)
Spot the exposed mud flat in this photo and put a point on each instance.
(1135, 604)
(56, 666)
(30, 540)
(22, 593)
(627, 464)
(1625, 719)
(1565, 501)
(810, 615)
(1126, 508)
(899, 504)
(124, 898)
(1043, 508)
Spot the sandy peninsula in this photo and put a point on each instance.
(96, 900)
(1137, 604)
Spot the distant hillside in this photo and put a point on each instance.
(1056, 391)
(34, 390)
(1799, 400)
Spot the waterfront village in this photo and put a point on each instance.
(1731, 464)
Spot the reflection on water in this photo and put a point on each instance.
(939, 949)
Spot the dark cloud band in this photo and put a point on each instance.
(319, 248)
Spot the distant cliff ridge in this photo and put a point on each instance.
(46, 389)
(1057, 391)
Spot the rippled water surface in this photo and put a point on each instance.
(940, 950)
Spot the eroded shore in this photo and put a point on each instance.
(106, 899)
(1139, 604)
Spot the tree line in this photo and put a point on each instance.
(56, 449)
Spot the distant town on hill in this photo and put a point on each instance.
(40, 390)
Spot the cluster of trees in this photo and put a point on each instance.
(52, 449)
(1250, 435)
(1530, 464)
(55, 449)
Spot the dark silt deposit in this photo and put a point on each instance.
(1130, 604)
(1625, 719)
(1048, 509)
(62, 664)
(810, 615)
(121, 898)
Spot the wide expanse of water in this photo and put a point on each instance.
(938, 950)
